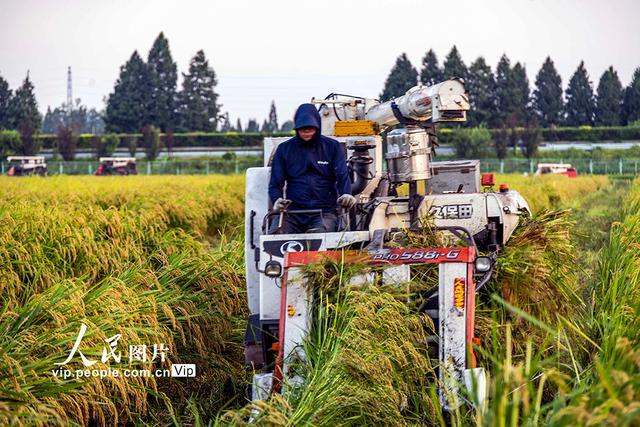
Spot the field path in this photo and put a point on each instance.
(594, 215)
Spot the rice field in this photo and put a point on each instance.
(160, 260)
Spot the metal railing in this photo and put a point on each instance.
(188, 167)
(239, 165)
(583, 166)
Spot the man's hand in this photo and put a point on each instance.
(347, 201)
(281, 204)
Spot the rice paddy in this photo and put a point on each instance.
(160, 260)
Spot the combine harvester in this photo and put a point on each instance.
(451, 195)
(27, 165)
(557, 168)
(117, 166)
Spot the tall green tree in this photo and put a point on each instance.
(480, 86)
(25, 117)
(287, 126)
(81, 119)
(580, 106)
(23, 108)
(127, 106)
(273, 118)
(252, 126)
(547, 96)
(631, 101)
(454, 65)
(506, 91)
(501, 142)
(609, 99)
(151, 142)
(5, 101)
(521, 82)
(531, 139)
(431, 73)
(67, 142)
(163, 78)
(50, 121)
(403, 76)
(198, 100)
(29, 144)
(226, 123)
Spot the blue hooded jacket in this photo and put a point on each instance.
(315, 171)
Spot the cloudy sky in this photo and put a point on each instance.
(292, 50)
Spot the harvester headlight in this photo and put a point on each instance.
(483, 264)
(273, 269)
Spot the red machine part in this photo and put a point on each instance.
(381, 257)
(384, 256)
(471, 315)
(488, 180)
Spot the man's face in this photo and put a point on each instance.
(306, 133)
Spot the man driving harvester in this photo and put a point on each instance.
(314, 169)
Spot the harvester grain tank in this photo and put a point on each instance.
(451, 195)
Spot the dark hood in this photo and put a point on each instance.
(307, 116)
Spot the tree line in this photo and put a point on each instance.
(146, 94)
(19, 111)
(145, 97)
(505, 98)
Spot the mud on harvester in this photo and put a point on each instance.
(451, 195)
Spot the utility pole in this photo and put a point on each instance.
(69, 92)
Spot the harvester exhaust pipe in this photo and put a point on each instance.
(360, 169)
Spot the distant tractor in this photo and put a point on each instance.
(117, 166)
(557, 168)
(26, 165)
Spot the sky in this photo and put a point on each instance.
(292, 50)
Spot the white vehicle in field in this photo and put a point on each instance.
(556, 168)
(26, 165)
(117, 166)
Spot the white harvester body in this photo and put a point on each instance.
(447, 195)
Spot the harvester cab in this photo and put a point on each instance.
(412, 193)
(117, 166)
(27, 165)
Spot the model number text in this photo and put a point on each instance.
(451, 211)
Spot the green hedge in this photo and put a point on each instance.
(193, 139)
(202, 139)
(582, 133)
(586, 133)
